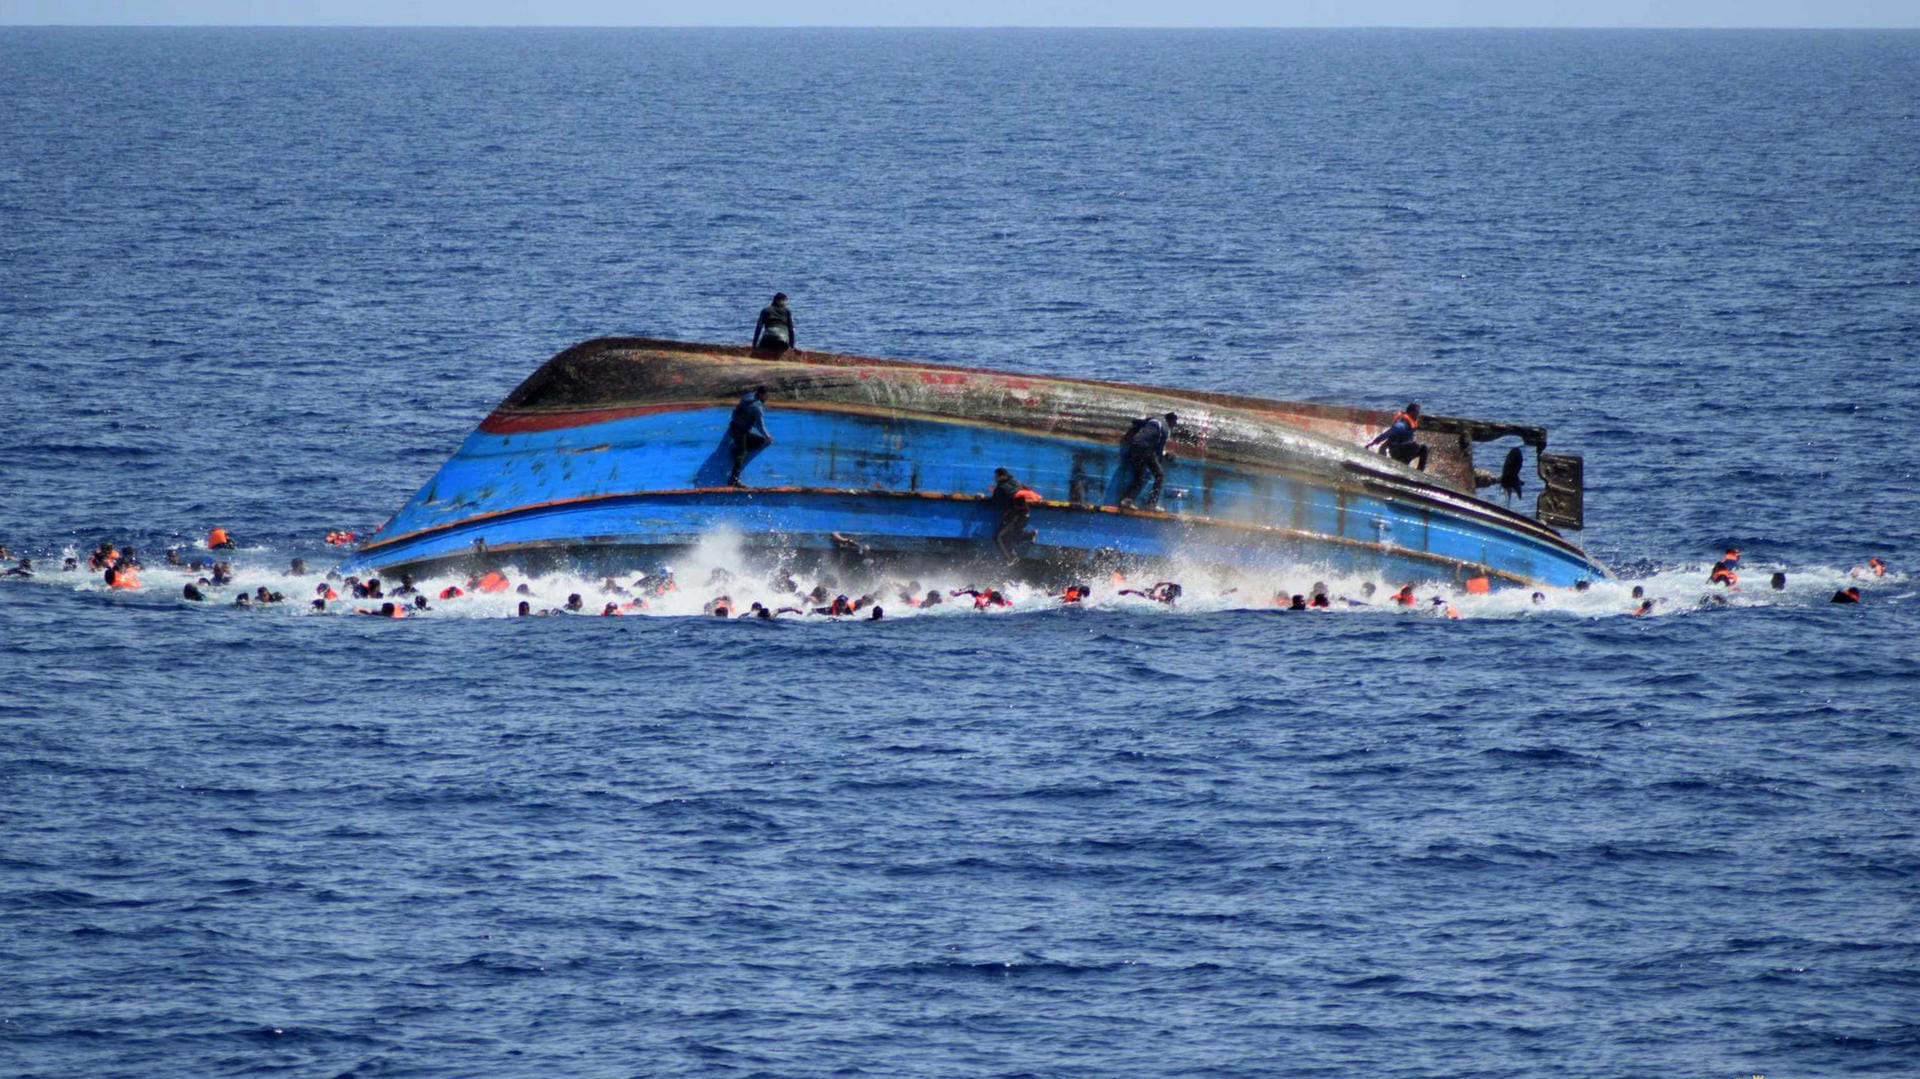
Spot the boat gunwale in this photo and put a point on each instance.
(1238, 526)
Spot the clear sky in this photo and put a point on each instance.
(1653, 13)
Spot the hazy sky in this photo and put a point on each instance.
(980, 12)
(1663, 13)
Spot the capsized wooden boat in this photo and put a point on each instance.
(615, 453)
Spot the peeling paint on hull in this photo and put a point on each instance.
(618, 448)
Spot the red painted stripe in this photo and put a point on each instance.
(511, 423)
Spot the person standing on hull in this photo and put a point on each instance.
(774, 331)
(1146, 449)
(1401, 445)
(748, 430)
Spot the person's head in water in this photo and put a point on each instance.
(1779, 582)
(525, 610)
(1582, 585)
(1539, 598)
(877, 615)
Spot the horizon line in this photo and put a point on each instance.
(924, 26)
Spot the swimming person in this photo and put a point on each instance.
(1146, 448)
(1401, 443)
(774, 329)
(748, 430)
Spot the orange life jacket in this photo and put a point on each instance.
(493, 581)
(125, 579)
(217, 538)
(1413, 422)
(1404, 597)
(1028, 495)
(452, 591)
(1479, 586)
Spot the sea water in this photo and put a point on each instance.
(269, 279)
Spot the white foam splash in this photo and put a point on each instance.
(717, 568)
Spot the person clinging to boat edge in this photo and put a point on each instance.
(1146, 444)
(1401, 445)
(748, 430)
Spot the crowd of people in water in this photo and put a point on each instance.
(211, 579)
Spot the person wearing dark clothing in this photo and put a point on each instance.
(1401, 445)
(748, 430)
(1146, 449)
(1015, 503)
(774, 331)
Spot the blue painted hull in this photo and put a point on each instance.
(612, 485)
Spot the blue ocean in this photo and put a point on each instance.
(268, 280)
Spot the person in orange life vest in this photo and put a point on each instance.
(1722, 573)
(1732, 555)
(1404, 597)
(1401, 444)
(1874, 566)
(1846, 595)
(982, 599)
(1075, 593)
(218, 540)
(1015, 501)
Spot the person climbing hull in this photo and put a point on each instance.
(618, 450)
